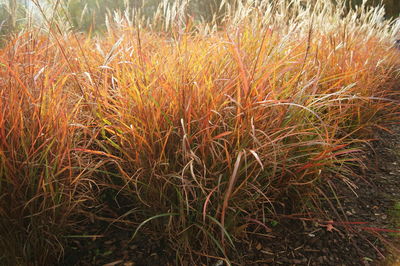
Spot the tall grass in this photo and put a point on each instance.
(209, 130)
(42, 179)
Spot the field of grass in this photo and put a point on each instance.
(208, 131)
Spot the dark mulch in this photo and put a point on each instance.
(292, 241)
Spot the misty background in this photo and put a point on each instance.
(90, 15)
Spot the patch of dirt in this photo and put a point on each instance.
(363, 237)
(109, 244)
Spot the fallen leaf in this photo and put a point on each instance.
(113, 263)
(329, 227)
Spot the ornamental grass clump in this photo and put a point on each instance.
(41, 177)
(208, 131)
(220, 128)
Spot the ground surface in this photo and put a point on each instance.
(292, 241)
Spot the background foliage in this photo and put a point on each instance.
(89, 15)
